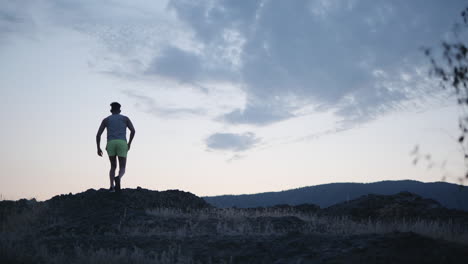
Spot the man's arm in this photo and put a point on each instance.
(132, 132)
(98, 137)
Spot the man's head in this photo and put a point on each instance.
(115, 108)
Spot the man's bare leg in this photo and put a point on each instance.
(122, 165)
(113, 162)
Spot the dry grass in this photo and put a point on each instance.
(446, 230)
(219, 222)
(235, 222)
(9, 253)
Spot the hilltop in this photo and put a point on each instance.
(144, 226)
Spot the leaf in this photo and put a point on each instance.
(461, 139)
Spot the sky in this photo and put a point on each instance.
(227, 97)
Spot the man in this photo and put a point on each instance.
(117, 146)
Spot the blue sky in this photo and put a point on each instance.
(226, 96)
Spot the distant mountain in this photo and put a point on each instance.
(449, 195)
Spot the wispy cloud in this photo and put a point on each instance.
(149, 105)
(256, 113)
(15, 18)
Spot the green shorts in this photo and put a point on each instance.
(117, 147)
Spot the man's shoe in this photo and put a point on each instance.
(111, 189)
(117, 183)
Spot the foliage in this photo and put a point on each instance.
(450, 66)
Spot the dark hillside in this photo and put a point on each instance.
(403, 205)
(144, 226)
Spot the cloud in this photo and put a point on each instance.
(188, 66)
(325, 133)
(232, 142)
(15, 18)
(323, 52)
(235, 157)
(176, 63)
(256, 113)
(149, 105)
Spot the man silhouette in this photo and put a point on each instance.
(117, 146)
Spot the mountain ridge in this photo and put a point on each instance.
(450, 195)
